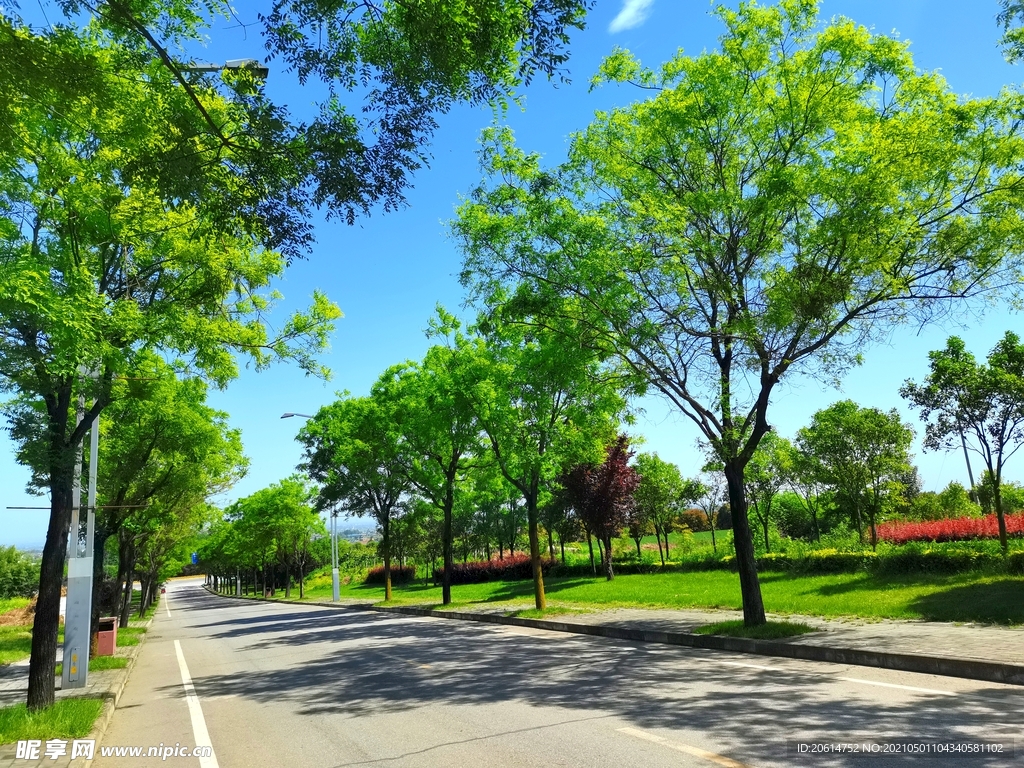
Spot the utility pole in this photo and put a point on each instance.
(78, 613)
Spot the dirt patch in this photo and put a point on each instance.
(18, 616)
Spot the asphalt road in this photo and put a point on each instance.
(279, 685)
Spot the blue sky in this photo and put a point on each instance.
(389, 271)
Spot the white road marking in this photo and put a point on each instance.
(901, 687)
(167, 605)
(195, 711)
(749, 666)
(680, 747)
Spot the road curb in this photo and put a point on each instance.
(988, 671)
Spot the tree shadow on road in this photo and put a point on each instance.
(364, 663)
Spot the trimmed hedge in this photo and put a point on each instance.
(399, 574)
(513, 568)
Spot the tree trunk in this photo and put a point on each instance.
(764, 524)
(600, 551)
(661, 552)
(590, 544)
(668, 554)
(714, 546)
(46, 622)
(446, 544)
(561, 543)
(538, 574)
(129, 585)
(608, 572)
(750, 587)
(551, 545)
(998, 498)
(637, 549)
(386, 544)
(287, 583)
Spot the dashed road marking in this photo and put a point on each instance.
(894, 685)
(726, 762)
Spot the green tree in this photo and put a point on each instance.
(765, 475)
(774, 206)
(977, 406)
(542, 405)
(863, 454)
(352, 449)
(440, 437)
(99, 270)
(661, 495)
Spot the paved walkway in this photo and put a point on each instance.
(981, 642)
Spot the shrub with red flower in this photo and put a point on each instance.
(955, 529)
(517, 566)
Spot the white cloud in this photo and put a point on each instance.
(633, 14)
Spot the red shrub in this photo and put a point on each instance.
(512, 567)
(399, 575)
(955, 529)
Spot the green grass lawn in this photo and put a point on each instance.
(66, 719)
(962, 597)
(15, 643)
(129, 635)
(101, 663)
(771, 630)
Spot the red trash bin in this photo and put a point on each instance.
(107, 637)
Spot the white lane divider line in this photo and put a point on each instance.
(894, 685)
(749, 666)
(195, 711)
(726, 762)
(167, 604)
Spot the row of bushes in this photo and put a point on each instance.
(19, 574)
(954, 529)
(512, 568)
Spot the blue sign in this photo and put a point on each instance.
(195, 558)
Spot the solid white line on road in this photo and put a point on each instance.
(195, 711)
(901, 687)
(167, 605)
(679, 747)
(749, 666)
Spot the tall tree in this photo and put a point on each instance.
(765, 475)
(662, 494)
(99, 270)
(863, 454)
(542, 405)
(439, 434)
(774, 206)
(977, 406)
(352, 449)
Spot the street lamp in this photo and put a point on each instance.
(335, 580)
(258, 69)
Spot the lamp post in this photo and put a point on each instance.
(335, 580)
(258, 69)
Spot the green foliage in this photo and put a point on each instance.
(975, 406)
(774, 205)
(863, 455)
(67, 719)
(19, 574)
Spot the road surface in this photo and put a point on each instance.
(277, 685)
